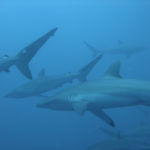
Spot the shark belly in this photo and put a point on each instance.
(45, 86)
(56, 106)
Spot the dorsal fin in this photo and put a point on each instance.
(41, 73)
(24, 69)
(113, 70)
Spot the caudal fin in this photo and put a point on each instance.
(26, 54)
(24, 69)
(82, 74)
(92, 48)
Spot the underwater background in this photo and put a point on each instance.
(101, 23)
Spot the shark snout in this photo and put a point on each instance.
(46, 103)
(14, 95)
(51, 103)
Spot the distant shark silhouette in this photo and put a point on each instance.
(46, 83)
(22, 59)
(110, 91)
(125, 50)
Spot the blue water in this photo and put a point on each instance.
(100, 22)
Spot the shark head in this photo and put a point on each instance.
(57, 102)
(74, 102)
(67, 100)
(14, 94)
(19, 93)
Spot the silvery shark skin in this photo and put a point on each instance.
(120, 144)
(110, 91)
(22, 59)
(47, 83)
(125, 50)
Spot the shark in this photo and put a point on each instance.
(120, 144)
(45, 83)
(109, 91)
(23, 58)
(125, 50)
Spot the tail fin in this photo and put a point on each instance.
(116, 134)
(82, 74)
(26, 54)
(92, 48)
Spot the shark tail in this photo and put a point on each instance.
(83, 72)
(25, 55)
(92, 48)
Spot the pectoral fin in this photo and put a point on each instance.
(80, 107)
(102, 115)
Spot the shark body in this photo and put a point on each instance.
(22, 59)
(110, 91)
(125, 50)
(47, 83)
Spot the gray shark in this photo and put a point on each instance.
(47, 83)
(109, 91)
(22, 59)
(125, 50)
(120, 144)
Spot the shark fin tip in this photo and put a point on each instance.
(114, 70)
(112, 124)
